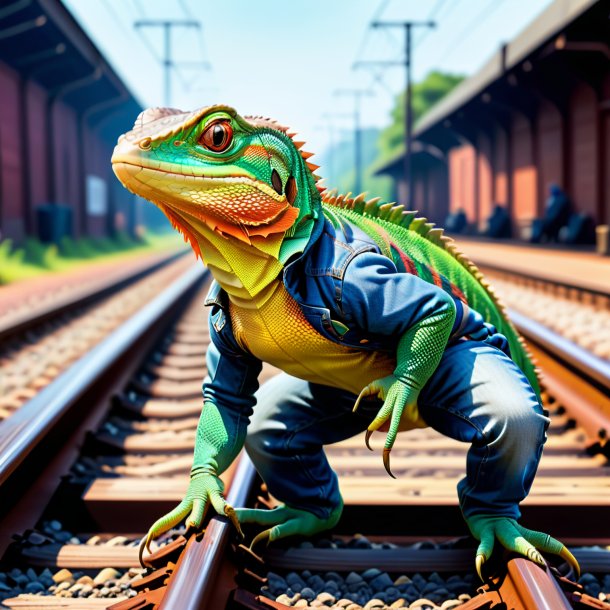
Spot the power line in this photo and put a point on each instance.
(140, 8)
(436, 8)
(149, 46)
(200, 39)
(168, 62)
(140, 14)
(476, 22)
(357, 94)
(433, 13)
(376, 15)
(408, 27)
(115, 18)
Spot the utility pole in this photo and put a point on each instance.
(332, 130)
(167, 55)
(357, 94)
(408, 27)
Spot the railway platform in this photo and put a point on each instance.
(578, 268)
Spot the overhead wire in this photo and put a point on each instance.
(432, 15)
(141, 14)
(200, 38)
(115, 17)
(473, 24)
(378, 12)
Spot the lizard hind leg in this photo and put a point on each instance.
(286, 521)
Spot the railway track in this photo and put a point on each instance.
(580, 313)
(35, 307)
(39, 342)
(126, 438)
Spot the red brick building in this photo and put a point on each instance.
(62, 108)
(537, 113)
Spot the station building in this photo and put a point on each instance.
(537, 113)
(62, 108)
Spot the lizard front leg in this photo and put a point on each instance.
(418, 353)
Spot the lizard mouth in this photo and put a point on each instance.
(239, 206)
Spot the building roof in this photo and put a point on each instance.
(547, 25)
(42, 42)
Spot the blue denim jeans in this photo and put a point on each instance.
(477, 395)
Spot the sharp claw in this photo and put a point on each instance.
(567, 556)
(144, 545)
(386, 462)
(367, 438)
(479, 561)
(536, 557)
(259, 537)
(232, 515)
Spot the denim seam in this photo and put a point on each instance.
(477, 428)
(290, 438)
(244, 377)
(338, 272)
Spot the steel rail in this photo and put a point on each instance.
(26, 320)
(586, 363)
(532, 587)
(24, 430)
(508, 271)
(523, 586)
(194, 583)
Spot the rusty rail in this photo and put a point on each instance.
(584, 362)
(62, 304)
(202, 578)
(20, 434)
(524, 586)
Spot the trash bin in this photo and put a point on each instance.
(602, 239)
(54, 222)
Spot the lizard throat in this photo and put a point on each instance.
(244, 270)
(237, 206)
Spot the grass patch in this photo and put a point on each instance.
(34, 258)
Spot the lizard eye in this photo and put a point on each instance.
(217, 136)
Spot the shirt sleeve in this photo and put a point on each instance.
(232, 377)
(419, 315)
(379, 299)
(228, 399)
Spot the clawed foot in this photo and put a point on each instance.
(286, 521)
(204, 489)
(399, 412)
(516, 538)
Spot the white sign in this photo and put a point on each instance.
(96, 196)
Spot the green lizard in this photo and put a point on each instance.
(342, 293)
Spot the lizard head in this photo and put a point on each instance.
(211, 169)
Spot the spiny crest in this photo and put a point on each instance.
(396, 214)
(260, 121)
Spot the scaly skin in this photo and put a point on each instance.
(242, 192)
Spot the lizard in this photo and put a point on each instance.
(359, 302)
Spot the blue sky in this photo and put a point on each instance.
(286, 58)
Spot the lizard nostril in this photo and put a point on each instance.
(145, 143)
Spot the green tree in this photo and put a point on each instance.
(379, 146)
(425, 94)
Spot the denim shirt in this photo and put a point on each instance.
(351, 294)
